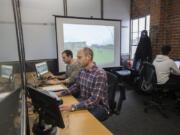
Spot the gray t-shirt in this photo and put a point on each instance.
(72, 70)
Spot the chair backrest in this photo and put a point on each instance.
(148, 77)
(112, 85)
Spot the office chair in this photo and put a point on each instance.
(149, 85)
(112, 86)
(124, 77)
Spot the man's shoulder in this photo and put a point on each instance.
(100, 71)
(75, 64)
(171, 62)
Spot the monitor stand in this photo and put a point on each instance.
(42, 128)
(39, 129)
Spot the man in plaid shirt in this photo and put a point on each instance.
(93, 87)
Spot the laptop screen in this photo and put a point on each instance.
(177, 63)
(6, 71)
(41, 68)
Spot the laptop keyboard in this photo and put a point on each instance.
(53, 88)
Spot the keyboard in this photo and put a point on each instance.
(53, 88)
(52, 94)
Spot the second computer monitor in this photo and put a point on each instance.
(41, 68)
(6, 71)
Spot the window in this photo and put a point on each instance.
(138, 25)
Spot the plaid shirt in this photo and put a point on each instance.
(93, 87)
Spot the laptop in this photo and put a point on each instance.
(6, 71)
(41, 68)
(178, 64)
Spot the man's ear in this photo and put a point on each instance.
(88, 57)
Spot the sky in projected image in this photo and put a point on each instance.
(91, 34)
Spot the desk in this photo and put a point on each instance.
(80, 122)
(124, 72)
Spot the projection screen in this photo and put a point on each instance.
(102, 36)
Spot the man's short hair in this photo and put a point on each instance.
(68, 53)
(166, 49)
(88, 51)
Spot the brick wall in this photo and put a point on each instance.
(165, 22)
(173, 27)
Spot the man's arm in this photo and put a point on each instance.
(61, 77)
(73, 74)
(73, 89)
(174, 69)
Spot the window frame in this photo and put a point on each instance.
(138, 32)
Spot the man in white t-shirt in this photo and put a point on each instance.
(165, 67)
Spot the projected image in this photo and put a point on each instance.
(98, 37)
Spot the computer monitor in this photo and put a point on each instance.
(178, 64)
(41, 68)
(9, 114)
(6, 71)
(47, 108)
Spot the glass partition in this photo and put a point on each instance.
(11, 103)
(10, 78)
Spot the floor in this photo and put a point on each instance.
(133, 121)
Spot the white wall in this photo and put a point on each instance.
(8, 42)
(38, 23)
(120, 9)
(39, 28)
(84, 8)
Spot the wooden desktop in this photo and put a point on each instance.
(81, 122)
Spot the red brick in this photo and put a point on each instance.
(165, 22)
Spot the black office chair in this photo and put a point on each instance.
(123, 75)
(149, 85)
(112, 86)
(147, 77)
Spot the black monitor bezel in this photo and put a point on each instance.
(49, 106)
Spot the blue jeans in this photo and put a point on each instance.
(99, 112)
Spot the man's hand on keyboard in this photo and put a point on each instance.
(51, 77)
(59, 93)
(65, 107)
(53, 82)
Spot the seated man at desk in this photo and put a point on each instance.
(165, 66)
(72, 69)
(93, 87)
